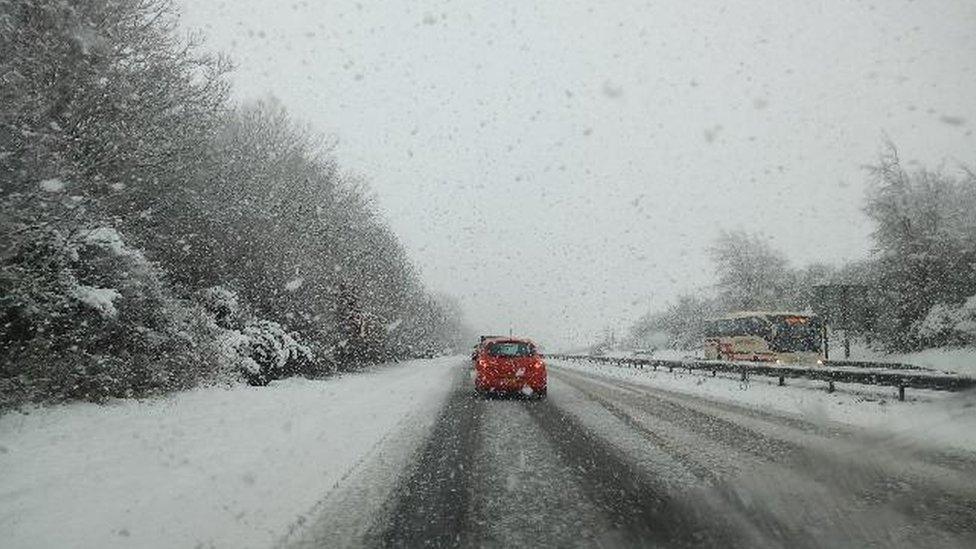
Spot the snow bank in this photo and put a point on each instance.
(100, 299)
(215, 466)
(51, 185)
(929, 418)
(960, 360)
(295, 284)
(657, 354)
(108, 239)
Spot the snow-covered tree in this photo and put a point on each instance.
(949, 324)
(751, 273)
(88, 316)
(117, 127)
(925, 233)
(683, 322)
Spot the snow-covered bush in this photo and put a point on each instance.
(86, 316)
(259, 350)
(950, 325)
(264, 351)
(223, 304)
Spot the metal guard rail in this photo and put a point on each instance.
(901, 378)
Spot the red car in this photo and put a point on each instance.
(509, 365)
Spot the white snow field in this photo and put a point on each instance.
(957, 360)
(225, 467)
(935, 419)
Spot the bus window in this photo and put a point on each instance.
(751, 326)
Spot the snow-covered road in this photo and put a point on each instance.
(406, 455)
(605, 461)
(229, 467)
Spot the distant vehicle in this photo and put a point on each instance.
(761, 336)
(510, 366)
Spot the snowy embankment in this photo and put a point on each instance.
(229, 467)
(932, 418)
(960, 361)
(657, 354)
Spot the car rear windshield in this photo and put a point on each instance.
(510, 348)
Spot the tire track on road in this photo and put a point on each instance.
(642, 509)
(959, 461)
(431, 508)
(862, 481)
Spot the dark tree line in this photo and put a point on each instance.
(156, 236)
(919, 284)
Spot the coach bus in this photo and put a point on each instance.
(777, 337)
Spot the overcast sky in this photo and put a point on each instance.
(560, 167)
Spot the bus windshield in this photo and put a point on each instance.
(744, 326)
(795, 333)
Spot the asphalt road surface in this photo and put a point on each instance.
(607, 463)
